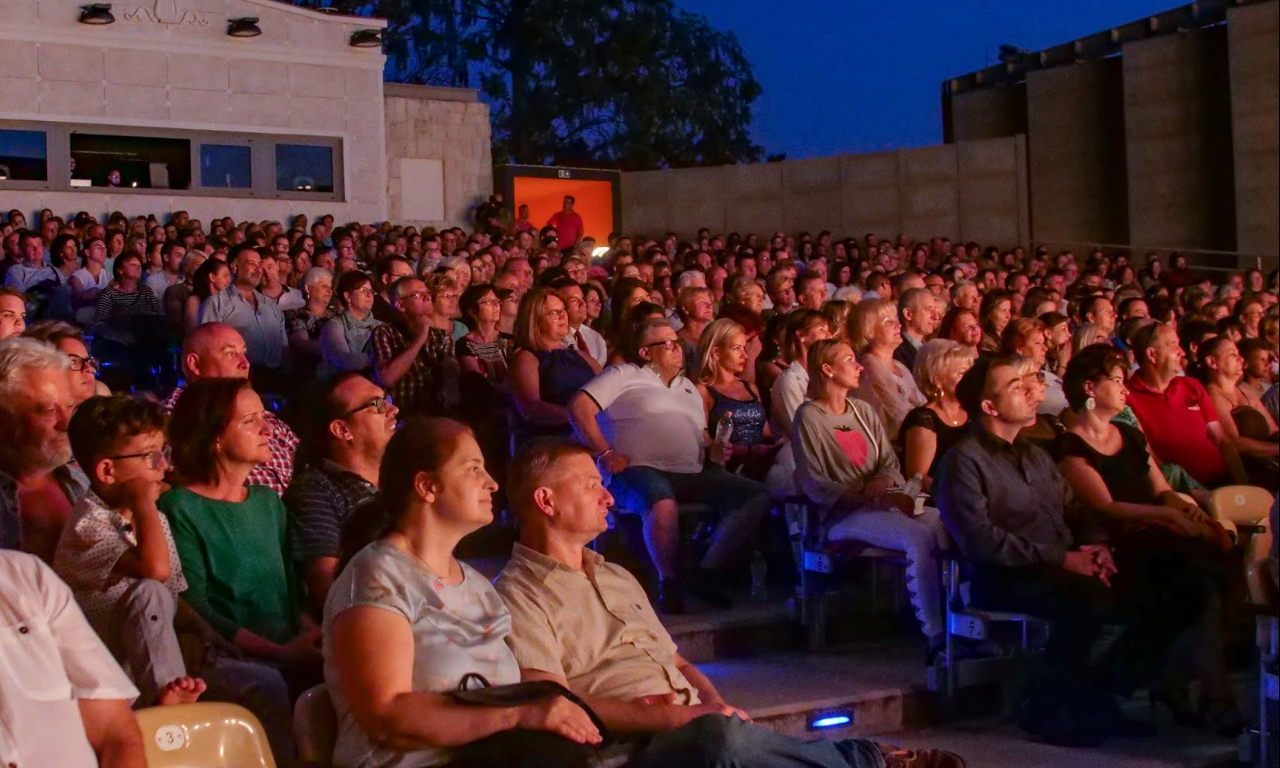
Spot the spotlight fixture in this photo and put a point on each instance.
(244, 27)
(96, 13)
(1011, 54)
(366, 38)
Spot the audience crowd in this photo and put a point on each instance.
(311, 416)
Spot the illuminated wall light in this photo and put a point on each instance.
(830, 719)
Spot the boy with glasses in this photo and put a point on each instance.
(117, 553)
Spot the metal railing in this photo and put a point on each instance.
(1199, 258)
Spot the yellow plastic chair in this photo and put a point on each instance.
(315, 725)
(203, 735)
(1241, 505)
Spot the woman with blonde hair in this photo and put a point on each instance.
(1086, 335)
(544, 373)
(695, 308)
(725, 395)
(804, 327)
(846, 466)
(886, 385)
(929, 431)
(837, 314)
(1027, 336)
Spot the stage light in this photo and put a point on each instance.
(97, 14)
(830, 719)
(244, 27)
(367, 38)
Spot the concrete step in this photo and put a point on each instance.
(879, 686)
(746, 628)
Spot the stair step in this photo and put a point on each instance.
(880, 686)
(733, 632)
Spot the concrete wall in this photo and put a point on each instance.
(974, 190)
(1076, 153)
(445, 124)
(170, 64)
(1253, 34)
(1177, 122)
(988, 113)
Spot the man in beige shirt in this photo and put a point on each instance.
(588, 625)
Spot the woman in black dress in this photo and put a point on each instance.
(1164, 544)
(930, 430)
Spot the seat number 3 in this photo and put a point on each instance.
(171, 737)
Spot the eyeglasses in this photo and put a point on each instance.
(155, 459)
(667, 344)
(416, 295)
(79, 363)
(488, 303)
(556, 312)
(378, 404)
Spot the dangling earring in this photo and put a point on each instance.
(1090, 403)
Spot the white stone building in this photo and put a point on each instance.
(190, 115)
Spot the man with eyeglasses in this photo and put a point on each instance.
(403, 362)
(216, 350)
(39, 484)
(354, 419)
(647, 427)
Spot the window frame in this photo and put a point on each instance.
(262, 160)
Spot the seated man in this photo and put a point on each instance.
(246, 309)
(353, 421)
(1176, 413)
(586, 624)
(117, 553)
(1031, 549)
(63, 700)
(652, 437)
(39, 483)
(216, 350)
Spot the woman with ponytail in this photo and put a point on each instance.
(405, 621)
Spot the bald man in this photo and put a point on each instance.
(216, 350)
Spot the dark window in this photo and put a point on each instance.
(143, 162)
(226, 166)
(24, 155)
(304, 168)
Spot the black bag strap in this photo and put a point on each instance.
(539, 690)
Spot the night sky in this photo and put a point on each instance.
(846, 76)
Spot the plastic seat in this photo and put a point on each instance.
(203, 735)
(1241, 505)
(315, 725)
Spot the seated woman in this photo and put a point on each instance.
(303, 325)
(544, 373)
(770, 365)
(345, 338)
(406, 621)
(231, 538)
(993, 315)
(1158, 537)
(725, 395)
(1086, 335)
(961, 326)
(846, 466)
(929, 431)
(627, 292)
(837, 314)
(1243, 416)
(90, 280)
(1026, 336)
(175, 296)
(695, 310)
(804, 327)
(887, 386)
(213, 276)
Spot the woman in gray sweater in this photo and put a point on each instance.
(846, 467)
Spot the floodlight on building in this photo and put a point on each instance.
(96, 13)
(244, 27)
(4, 173)
(366, 38)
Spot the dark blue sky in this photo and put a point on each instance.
(845, 76)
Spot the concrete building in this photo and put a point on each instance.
(195, 107)
(1159, 134)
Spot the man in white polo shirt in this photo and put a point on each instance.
(645, 423)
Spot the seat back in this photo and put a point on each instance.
(315, 725)
(1240, 504)
(203, 735)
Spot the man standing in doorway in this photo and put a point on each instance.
(568, 225)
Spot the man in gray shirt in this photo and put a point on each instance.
(1030, 548)
(257, 318)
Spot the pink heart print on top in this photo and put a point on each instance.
(853, 444)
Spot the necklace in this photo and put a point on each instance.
(954, 420)
(409, 548)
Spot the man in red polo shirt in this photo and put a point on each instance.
(568, 224)
(1176, 413)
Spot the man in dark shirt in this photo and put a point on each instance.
(353, 421)
(1031, 549)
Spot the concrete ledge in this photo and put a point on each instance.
(430, 92)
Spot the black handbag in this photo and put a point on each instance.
(521, 748)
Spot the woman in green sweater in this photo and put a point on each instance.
(231, 537)
(846, 466)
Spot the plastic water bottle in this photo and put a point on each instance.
(724, 432)
(759, 576)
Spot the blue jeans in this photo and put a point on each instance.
(715, 741)
(740, 504)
